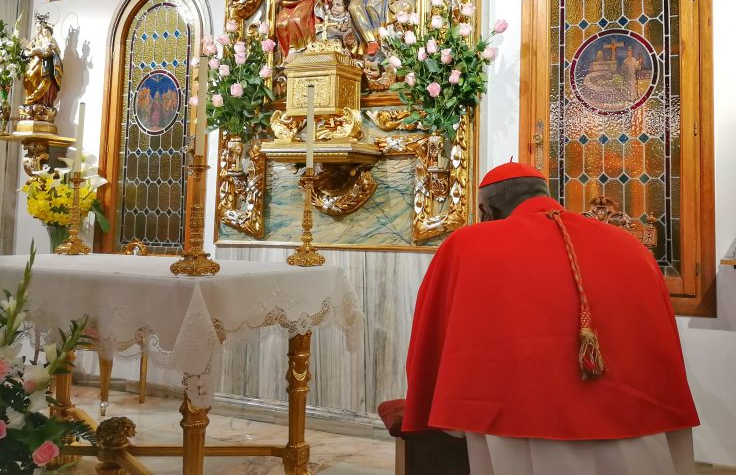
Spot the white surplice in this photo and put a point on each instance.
(660, 454)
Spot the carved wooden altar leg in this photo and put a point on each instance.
(194, 422)
(143, 375)
(63, 396)
(105, 373)
(296, 456)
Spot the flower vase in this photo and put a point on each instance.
(57, 235)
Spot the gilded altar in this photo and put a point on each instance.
(379, 183)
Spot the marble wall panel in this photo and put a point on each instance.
(386, 284)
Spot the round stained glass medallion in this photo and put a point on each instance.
(614, 72)
(157, 102)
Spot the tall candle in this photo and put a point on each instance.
(77, 165)
(201, 129)
(310, 126)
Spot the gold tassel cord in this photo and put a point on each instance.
(590, 358)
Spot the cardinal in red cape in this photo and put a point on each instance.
(539, 329)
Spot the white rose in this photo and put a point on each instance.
(38, 402)
(16, 420)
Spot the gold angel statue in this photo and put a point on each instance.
(42, 81)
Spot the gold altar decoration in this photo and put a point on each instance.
(361, 140)
(242, 188)
(342, 181)
(73, 245)
(195, 261)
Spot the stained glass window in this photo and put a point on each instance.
(615, 111)
(151, 187)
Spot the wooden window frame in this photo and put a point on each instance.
(112, 109)
(694, 293)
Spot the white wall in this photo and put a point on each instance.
(709, 344)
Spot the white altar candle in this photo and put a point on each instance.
(199, 136)
(77, 165)
(310, 126)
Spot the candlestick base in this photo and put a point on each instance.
(306, 255)
(73, 246)
(195, 263)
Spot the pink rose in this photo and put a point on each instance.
(410, 38)
(264, 28)
(382, 32)
(193, 102)
(265, 72)
(214, 63)
(500, 26)
(489, 53)
(231, 25)
(224, 70)
(236, 90)
(224, 40)
(438, 3)
(4, 368)
(437, 22)
(410, 79)
(395, 62)
(464, 29)
(402, 17)
(268, 45)
(414, 18)
(3, 429)
(432, 46)
(434, 89)
(239, 47)
(422, 54)
(467, 9)
(454, 76)
(217, 100)
(45, 453)
(210, 49)
(207, 40)
(446, 57)
(240, 58)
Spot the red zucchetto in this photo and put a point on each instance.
(508, 171)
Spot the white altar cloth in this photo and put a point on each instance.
(125, 295)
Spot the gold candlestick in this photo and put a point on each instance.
(195, 261)
(74, 246)
(306, 255)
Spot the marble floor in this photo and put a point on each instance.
(157, 422)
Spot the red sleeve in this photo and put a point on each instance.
(427, 337)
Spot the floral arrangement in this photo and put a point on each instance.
(12, 65)
(237, 90)
(29, 439)
(443, 69)
(50, 196)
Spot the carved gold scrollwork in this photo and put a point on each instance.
(286, 128)
(605, 210)
(242, 191)
(426, 224)
(347, 125)
(390, 120)
(340, 190)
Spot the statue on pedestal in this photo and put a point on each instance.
(43, 76)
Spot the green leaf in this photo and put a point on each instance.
(431, 65)
(100, 216)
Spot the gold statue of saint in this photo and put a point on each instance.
(42, 81)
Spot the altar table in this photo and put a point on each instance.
(193, 317)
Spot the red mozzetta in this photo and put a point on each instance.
(495, 339)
